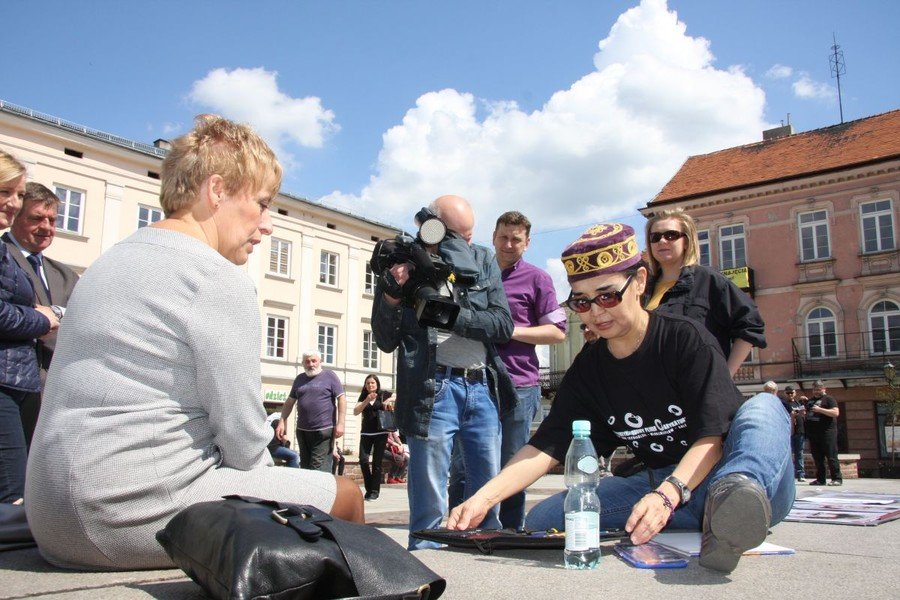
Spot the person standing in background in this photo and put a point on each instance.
(20, 323)
(316, 392)
(372, 399)
(797, 409)
(451, 385)
(30, 236)
(822, 413)
(537, 319)
(679, 285)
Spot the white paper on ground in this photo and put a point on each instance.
(688, 543)
(825, 499)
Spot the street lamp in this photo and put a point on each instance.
(889, 373)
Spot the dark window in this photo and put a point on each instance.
(152, 174)
(330, 225)
(75, 153)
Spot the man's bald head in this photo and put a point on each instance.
(457, 215)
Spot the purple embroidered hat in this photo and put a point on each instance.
(604, 248)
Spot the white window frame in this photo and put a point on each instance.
(370, 351)
(370, 281)
(326, 342)
(328, 268)
(737, 243)
(154, 214)
(814, 235)
(63, 215)
(277, 328)
(280, 257)
(877, 227)
(703, 245)
(821, 326)
(886, 322)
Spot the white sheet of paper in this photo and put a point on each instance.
(688, 543)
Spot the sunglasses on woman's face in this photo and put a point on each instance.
(670, 236)
(603, 300)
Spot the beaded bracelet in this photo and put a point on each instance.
(666, 502)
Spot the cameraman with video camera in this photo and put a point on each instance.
(451, 383)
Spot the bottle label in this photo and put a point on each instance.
(582, 531)
(587, 464)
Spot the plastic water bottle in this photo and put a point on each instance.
(582, 505)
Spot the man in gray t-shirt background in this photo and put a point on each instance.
(316, 392)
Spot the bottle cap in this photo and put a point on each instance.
(581, 428)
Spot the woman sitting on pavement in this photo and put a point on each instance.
(153, 401)
(679, 285)
(659, 384)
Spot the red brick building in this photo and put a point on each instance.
(808, 224)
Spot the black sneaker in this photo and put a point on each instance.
(816, 482)
(736, 518)
(371, 496)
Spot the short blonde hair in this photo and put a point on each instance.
(216, 146)
(10, 167)
(691, 241)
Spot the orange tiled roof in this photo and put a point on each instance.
(854, 143)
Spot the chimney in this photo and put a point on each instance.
(164, 144)
(778, 132)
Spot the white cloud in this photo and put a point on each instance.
(557, 272)
(170, 128)
(594, 151)
(809, 89)
(252, 96)
(779, 72)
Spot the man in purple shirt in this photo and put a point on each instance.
(315, 392)
(538, 319)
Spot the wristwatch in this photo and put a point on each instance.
(57, 311)
(682, 489)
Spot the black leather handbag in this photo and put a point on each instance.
(387, 420)
(245, 548)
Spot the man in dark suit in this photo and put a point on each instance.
(31, 233)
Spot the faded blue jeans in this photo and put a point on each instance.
(757, 445)
(463, 410)
(516, 426)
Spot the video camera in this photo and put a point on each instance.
(429, 275)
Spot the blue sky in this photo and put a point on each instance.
(572, 112)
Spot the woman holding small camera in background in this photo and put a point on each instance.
(679, 285)
(372, 438)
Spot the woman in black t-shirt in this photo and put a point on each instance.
(372, 439)
(659, 384)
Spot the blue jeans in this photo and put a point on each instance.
(757, 445)
(463, 410)
(13, 454)
(516, 426)
(797, 440)
(290, 458)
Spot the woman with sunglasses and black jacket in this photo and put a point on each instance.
(679, 285)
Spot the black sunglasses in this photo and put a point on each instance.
(670, 236)
(603, 300)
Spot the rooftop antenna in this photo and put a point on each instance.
(836, 62)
